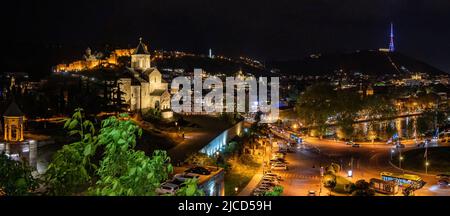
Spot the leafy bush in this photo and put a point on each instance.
(16, 178)
(276, 191)
(70, 169)
(123, 170)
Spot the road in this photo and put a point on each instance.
(368, 162)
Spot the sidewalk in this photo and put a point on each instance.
(256, 179)
(247, 191)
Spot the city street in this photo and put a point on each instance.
(368, 162)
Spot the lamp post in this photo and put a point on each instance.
(426, 167)
(217, 159)
(400, 161)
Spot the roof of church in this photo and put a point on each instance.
(13, 110)
(137, 81)
(158, 92)
(141, 48)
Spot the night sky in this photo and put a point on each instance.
(37, 34)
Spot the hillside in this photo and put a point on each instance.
(366, 62)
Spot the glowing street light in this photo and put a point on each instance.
(350, 173)
(400, 161)
(426, 167)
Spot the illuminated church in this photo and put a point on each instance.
(143, 86)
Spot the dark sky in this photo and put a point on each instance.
(39, 33)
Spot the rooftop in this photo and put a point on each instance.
(13, 111)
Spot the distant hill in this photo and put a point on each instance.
(210, 65)
(367, 62)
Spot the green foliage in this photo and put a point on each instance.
(316, 105)
(71, 169)
(200, 159)
(349, 188)
(333, 168)
(190, 188)
(378, 107)
(123, 170)
(362, 188)
(276, 191)
(329, 181)
(152, 115)
(16, 178)
(390, 131)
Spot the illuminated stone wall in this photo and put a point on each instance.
(218, 143)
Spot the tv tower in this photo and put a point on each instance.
(391, 42)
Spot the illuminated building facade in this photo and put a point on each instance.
(13, 123)
(143, 86)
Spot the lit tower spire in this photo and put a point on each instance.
(391, 42)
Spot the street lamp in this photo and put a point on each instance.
(426, 167)
(236, 189)
(400, 161)
(217, 159)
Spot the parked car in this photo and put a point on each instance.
(311, 193)
(444, 182)
(167, 188)
(278, 155)
(273, 175)
(185, 176)
(273, 161)
(268, 184)
(279, 166)
(282, 150)
(442, 176)
(198, 170)
(399, 145)
(264, 187)
(349, 143)
(270, 179)
(356, 145)
(260, 191)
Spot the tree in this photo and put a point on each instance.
(425, 122)
(152, 115)
(71, 167)
(16, 178)
(276, 191)
(362, 188)
(123, 170)
(329, 182)
(316, 105)
(347, 105)
(390, 131)
(190, 188)
(333, 168)
(200, 159)
(378, 107)
(345, 130)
